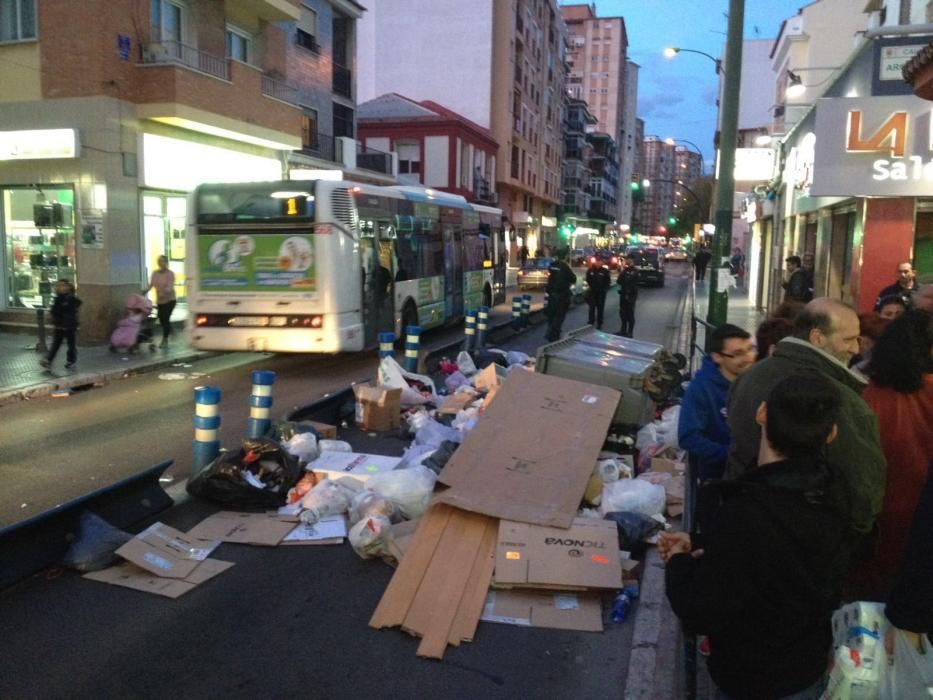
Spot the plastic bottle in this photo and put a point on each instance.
(620, 607)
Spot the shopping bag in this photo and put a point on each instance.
(911, 673)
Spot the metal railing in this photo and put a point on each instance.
(372, 159)
(280, 90)
(320, 146)
(174, 52)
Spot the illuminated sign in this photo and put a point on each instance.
(38, 144)
(893, 132)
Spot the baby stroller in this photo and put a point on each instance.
(134, 328)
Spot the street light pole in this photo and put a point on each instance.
(718, 308)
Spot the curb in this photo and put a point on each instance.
(91, 378)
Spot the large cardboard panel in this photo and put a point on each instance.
(563, 611)
(129, 575)
(585, 556)
(242, 528)
(166, 552)
(474, 597)
(529, 457)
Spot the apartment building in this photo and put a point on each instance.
(688, 166)
(112, 111)
(576, 173)
(436, 147)
(601, 74)
(658, 166)
(498, 64)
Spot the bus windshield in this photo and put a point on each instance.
(234, 203)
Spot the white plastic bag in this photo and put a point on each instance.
(410, 489)
(634, 496)
(609, 470)
(369, 504)
(327, 498)
(433, 433)
(415, 454)
(455, 381)
(466, 419)
(392, 374)
(303, 446)
(666, 427)
(514, 357)
(367, 537)
(334, 446)
(911, 674)
(465, 363)
(647, 435)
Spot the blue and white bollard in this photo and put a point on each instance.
(516, 313)
(526, 310)
(482, 326)
(260, 404)
(206, 446)
(469, 330)
(412, 346)
(386, 344)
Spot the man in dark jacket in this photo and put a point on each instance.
(905, 286)
(700, 262)
(560, 283)
(702, 428)
(763, 582)
(598, 281)
(797, 286)
(825, 339)
(628, 295)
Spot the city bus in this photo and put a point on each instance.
(325, 266)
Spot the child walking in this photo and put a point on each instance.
(65, 318)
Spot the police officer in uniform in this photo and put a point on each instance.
(598, 281)
(628, 295)
(560, 283)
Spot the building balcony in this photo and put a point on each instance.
(483, 191)
(271, 10)
(183, 86)
(342, 81)
(371, 159)
(322, 146)
(575, 126)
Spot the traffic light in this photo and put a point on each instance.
(565, 230)
(635, 186)
(672, 220)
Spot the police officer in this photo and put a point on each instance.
(560, 283)
(628, 295)
(598, 281)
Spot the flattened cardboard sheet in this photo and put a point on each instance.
(242, 528)
(129, 575)
(531, 454)
(166, 552)
(563, 611)
(585, 556)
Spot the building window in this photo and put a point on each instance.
(239, 44)
(309, 130)
(514, 169)
(17, 20)
(409, 158)
(167, 21)
(343, 120)
(306, 32)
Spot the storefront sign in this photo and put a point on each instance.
(873, 146)
(893, 59)
(92, 231)
(38, 144)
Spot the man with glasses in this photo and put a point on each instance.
(702, 429)
(905, 286)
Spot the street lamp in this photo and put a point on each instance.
(670, 140)
(672, 51)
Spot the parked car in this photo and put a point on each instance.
(534, 273)
(677, 254)
(606, 257)
(649, 263)
(578, 257)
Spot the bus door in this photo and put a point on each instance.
(385, 291)
(453, 271)
(369, 261)
(500, 263)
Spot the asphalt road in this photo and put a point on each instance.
(283, 622)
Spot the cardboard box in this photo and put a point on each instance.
(669, 466)
(585, 556)
(674, 494)
(563, 611)
(490, 377)
(358, 465)
(166, 552)
(532, 452)
(129, 575)
(327, 432)
(242, 528)
(378, 408)
(327, 530)
(455, 403)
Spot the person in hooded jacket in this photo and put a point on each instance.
(825, 338)
(702, 428)
(765, 579)
(598, 281)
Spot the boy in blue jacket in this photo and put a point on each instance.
(703, 430)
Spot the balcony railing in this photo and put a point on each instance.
(483, 191)
(371, 159)
(320, 146)
(343, 81)
(279, 90)
(174, 52)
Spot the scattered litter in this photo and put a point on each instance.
(166, 479)
(169, 376)
(61, 394)
(24, 505)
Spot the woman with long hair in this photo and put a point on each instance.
(900, 392)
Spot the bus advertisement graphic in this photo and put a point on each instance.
(267, 262)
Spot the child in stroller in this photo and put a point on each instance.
(135, 327)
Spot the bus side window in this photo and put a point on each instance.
(406, 256)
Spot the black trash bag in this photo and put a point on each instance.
(441, 456)
(224, 480)
(633, 528)
(93, 548)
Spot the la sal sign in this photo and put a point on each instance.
(889, 138)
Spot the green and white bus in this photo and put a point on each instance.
(324, 266)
